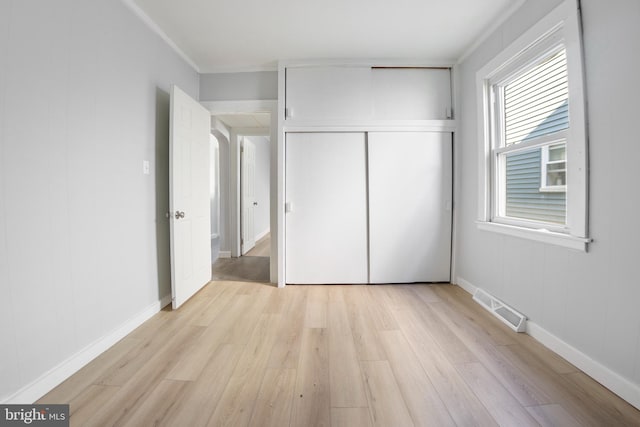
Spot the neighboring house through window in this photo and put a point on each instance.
(553, 168)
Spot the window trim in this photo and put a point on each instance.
(539, 235)
(560, 26)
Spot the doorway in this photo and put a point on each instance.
(245, 251)
(254, 195)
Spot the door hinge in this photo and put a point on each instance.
(241, 241)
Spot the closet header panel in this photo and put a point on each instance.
(328, 93)
(411, 93)
(348, 94)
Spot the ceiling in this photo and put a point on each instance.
(244, 35)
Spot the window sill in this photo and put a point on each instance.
(558, 189)
(538, 235)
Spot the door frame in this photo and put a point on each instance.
(234, 212)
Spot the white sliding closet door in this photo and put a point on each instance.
(326, 219)
(410, 206)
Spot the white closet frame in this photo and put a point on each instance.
(291, 125)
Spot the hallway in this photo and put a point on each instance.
(252, 267)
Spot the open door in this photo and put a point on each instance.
(190, 221)
(248, 168)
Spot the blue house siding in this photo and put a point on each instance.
(523, 196)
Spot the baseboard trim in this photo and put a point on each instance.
(49, 380)
(619, 385)
(224, 254)
(605, 376)
(262, 234)
(467, 286)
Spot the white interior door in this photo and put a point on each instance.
(326, 204)
(248, 167)
(189, 197)
(410, 187)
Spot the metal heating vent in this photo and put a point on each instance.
(508, 315)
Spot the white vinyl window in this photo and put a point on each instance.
(529, 112)
(533, 160)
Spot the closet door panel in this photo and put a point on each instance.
(411, 93)
(340, 94)
(326, 222)
(410, 186)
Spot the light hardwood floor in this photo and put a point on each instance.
(243, 353)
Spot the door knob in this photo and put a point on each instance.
(255, 203)
(179, 215)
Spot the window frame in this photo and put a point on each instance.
(559, 29)
(549, 45)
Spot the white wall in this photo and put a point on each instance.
(263, 154)
(239, 86)
(587, 300)
(214, 197)
(221, 132)
(225, 229)
(83, 234)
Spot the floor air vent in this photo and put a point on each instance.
(508, 315)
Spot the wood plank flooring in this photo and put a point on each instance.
(252, 267)
(242, 269)
(262, 247)
(249, 354)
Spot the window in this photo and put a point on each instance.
(553, 168)
(534, 175)
(530, 118)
